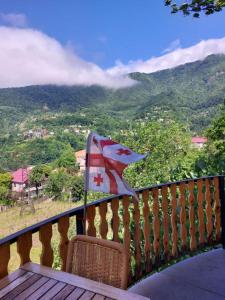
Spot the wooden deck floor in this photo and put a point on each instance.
(197, 278)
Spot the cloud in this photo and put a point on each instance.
(30, 57)
(16, 20)
(173, 46)
(170, 60)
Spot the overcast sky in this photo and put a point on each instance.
(98, 41)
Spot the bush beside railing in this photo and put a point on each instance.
(169, 221)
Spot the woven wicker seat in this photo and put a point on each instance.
(99, 260)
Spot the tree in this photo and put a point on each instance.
(170, 154)
(38, 175)
(5, 185)
(195, 7)
(67, 160)
(58, 185)
(212, 159)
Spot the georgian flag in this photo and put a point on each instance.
(105, 163)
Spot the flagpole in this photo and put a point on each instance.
(86, 180)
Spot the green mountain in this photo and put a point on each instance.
(190, 93)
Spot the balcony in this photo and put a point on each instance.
(171, 222)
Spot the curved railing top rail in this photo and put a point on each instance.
(79, 210)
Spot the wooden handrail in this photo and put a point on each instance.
(161, 227)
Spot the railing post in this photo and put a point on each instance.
(80, 222)
(222, 203)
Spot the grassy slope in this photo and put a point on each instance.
(10, 222)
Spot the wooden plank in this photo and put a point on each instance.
(75, 294)
(15, 283)
(137, 238)
(193, 244)
(54, 290)
(147, 246)
(164, 192)
(4, 261)
(91, 230)
(173, 191)
(11, 277)
(209, 223)
(63, 227)
(21, 287)
(98, 297)
(87, 295)
(217, 209)
(68, 289)
(43, 289)
(115, 219)
(45, 235)
(30, 290)
(126, 233)
(156, 224)
(83, 283)
(103, 221)
(183, 228)
(24, 245)
(201, 227)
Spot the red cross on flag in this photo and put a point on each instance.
(105, 163)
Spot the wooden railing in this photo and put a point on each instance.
(170, 221)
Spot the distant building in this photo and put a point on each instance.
(198, 141)
(20, 179)
(80, 159)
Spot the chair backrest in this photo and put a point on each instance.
(99, 260)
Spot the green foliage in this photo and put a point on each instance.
(212, 159)
(195, 7)
(67, 160)
(5, 185)
(170, 155)
(77, 188)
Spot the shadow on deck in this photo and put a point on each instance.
(196, 278)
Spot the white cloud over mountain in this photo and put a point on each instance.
(172, 59)
(30, 57)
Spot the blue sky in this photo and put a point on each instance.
(98, 41)
(103, 31)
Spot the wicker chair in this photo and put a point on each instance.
(99, 260)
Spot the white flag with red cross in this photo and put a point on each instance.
(105, 163)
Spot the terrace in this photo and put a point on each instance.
(171, 222)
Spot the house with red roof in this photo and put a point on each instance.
(198, 141)
(80, 159)
(20, 179)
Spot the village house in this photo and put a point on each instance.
(80, 159)
(198, 142)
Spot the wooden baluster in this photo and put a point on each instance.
(193, 243)
(164, 192)
(115, 219)
(156, 224)
(24, 245)
(209, 224)
(63, 227)
(201, 213)
(91, 230)
(147, 247)
(103, 221)
(217, 211)
(183, 229)
(45, 235)
(126, 234)
(173, 190)
(4, 259)
(137, 239)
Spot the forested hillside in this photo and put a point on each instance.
(190, 92)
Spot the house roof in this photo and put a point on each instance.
(199, 140)
(80, 154)
(20, 175)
